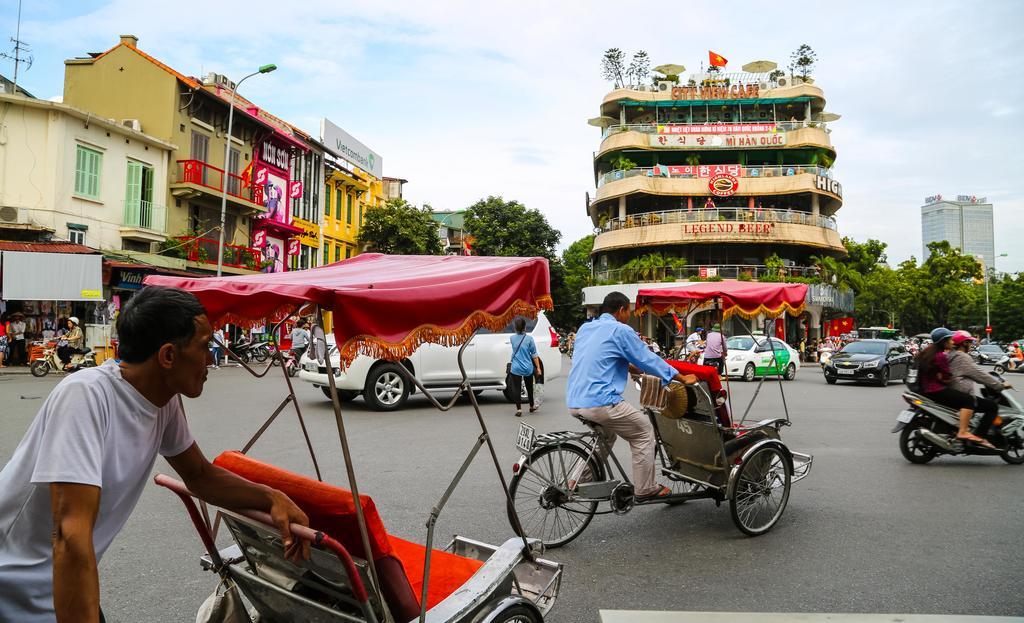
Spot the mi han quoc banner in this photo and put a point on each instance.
(719, 141)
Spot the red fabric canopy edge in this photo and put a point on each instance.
(384, 306)
(744, 298)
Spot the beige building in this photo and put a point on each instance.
(135, 89)
(72, 175)
(718, 176)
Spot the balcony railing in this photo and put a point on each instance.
(655, 274)
(204, 251)
(145, 215)
(714, 215)
(206, 175)
(715, 127)
(699, 171)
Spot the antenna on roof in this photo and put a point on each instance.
(19, 53)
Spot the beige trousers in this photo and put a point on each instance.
(626, 421)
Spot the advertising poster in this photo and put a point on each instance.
(272, 250)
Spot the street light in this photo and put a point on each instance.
(264, 69)
(984, 271)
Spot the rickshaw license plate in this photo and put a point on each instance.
(525, 439)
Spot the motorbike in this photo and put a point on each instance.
(928, 429)
(247, 351)
(289, 361)
(1008, 364)
(50, 361)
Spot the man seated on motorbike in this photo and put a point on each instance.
(606, 351)
(964, 373)
(300, 338)
(934, 377)
(74, 339)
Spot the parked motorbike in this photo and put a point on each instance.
(50, 361)
(928, 429)
(248, 351)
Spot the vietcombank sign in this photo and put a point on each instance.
(346, 146)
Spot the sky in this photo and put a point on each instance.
(470, 99)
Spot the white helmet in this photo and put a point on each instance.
(74, 320)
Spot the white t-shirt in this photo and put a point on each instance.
(95, 428)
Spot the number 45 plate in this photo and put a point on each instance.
(527, 436)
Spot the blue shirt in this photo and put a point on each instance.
(522, 359)
(601, 356)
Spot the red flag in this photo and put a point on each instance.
(716, 60)
(679, 323)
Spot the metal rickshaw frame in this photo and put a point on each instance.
(708, 462)
(513, 576)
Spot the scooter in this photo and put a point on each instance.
(928, 429)
(1008, 364)
(50, 361)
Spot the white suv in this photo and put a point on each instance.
(436, 367)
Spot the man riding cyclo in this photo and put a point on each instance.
(607, 351)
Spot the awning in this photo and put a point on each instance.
(52, 276)
(745, 298)
(385, 306)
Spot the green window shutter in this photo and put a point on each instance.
(93, 185)
(133, 194)
(327, 254)
(327, 202)
(348, 208)
(80, 171)
(337, 204)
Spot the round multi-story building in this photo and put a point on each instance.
(726, 175)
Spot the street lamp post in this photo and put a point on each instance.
(264, 69)
(984, 271)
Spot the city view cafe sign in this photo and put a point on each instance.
(717, 92)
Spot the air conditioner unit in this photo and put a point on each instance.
(665, 86)
(782, 81)
(219, 80)
(764, 86)
(134, 124)
(11, 214)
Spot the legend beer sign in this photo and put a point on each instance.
(700, 230)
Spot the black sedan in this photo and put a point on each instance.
(988, 354)
(872, 361)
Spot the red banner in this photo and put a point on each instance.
(716, 128)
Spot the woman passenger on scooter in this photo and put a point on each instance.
(964, 374)
(74, 340)
(934, 377)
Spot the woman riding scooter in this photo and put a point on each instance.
(964, 374)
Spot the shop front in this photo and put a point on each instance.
(44, 284)
(273, 231)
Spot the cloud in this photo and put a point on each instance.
(468, 99)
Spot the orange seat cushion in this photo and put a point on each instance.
(332, 511)
(448, 571)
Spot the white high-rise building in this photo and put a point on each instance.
(965, 222)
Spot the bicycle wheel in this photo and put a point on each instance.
(761, 491)
(541, 497)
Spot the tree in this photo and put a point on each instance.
(576, 268)
(775, 75)
(400, 228)
(802, 61)
(942, 285)
(864, 257)
(613, 66)
(508, 228)
(639, 68)
(1007, 300)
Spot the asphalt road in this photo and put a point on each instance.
(865, 532)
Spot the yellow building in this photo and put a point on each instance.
(348, 193)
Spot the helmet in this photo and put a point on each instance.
(963, 336)
(940, 334)
(74, 320)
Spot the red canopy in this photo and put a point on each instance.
(746, 298)
(385, 306)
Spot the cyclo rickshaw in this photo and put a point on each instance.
(384, 307)
(563, 477)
